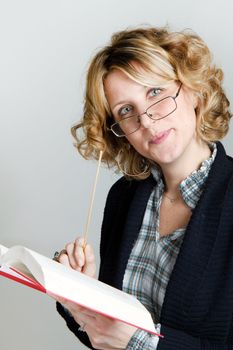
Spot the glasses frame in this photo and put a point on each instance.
(148, 114)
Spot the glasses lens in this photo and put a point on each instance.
(158, 110)
(162, 108)
(126, 126)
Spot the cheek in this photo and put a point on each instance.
(133, 139)
(188, 121)
(136, 141)
(192, 122)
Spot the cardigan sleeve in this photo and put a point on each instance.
(177, 339)
(173, 339)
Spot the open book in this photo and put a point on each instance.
(39, 272)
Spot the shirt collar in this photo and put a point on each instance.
(192, 186)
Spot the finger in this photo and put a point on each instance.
(80, 241)
(72, 261)
(64, 260)
(79, 255)
(75, 308)
(90, 266)
(82, 318)
(80, 314)
(88, 312)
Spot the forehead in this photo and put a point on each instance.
(119, 85)
(117, 78)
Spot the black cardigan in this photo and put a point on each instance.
(197, 312)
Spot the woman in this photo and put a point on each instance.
(156, 108)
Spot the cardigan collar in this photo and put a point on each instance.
(202, 235)
(198, 243)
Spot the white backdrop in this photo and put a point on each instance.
(44, 184)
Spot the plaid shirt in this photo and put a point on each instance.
(153, 257)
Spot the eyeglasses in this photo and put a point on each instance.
(158, 110)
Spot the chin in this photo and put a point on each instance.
(168, 156)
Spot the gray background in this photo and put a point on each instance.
(44, 183)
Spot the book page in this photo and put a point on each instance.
(20, 259)
(14, 262)
(3, 250)
(4, 269)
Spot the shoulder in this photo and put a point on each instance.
(120, 195)
(123, 191)
(222, 167)
(219, 185)
(123, 186)
(222, 157)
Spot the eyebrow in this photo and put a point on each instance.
(127, 101)
(120, 103)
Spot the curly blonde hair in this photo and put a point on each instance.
(172, 56)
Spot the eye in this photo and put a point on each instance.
(155, 92)
(125, 111)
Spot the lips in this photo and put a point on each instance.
(160, 137)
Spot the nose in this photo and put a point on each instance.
(146, 121)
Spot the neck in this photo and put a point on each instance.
(175, 173)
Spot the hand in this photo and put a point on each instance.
(104, 332)
(79, 256)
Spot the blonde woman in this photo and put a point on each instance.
(155, 106)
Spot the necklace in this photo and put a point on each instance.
(172, 200)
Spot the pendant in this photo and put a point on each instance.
(172, 200)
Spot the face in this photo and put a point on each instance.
(164, 141)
